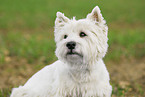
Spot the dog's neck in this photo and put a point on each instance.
(81, 72)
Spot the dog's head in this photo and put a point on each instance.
(81, 41)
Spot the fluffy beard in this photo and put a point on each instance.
(74, 56)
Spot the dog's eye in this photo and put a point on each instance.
(65, 36)
(82, 34)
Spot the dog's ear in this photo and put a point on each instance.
(61, 19)
(95, 15)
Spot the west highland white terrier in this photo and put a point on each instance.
(80, 70)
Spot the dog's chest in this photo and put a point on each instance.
(78, 90)
(78, 84)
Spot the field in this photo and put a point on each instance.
(27, 40)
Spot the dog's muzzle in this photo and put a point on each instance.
(71, 48)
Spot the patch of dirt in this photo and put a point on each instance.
(128, 75)
(15, 72)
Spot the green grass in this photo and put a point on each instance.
(35, 46)
(31, 47)
(4, 93)
(26, 30)
(126, 44)
(36, 18)
(33, 14)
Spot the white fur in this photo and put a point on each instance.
(81, 75)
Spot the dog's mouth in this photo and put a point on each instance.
(73, 53)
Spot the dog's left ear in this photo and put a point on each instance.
(96, 15)
(60, 19)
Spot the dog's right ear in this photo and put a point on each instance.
(96, 15)
(61, 19)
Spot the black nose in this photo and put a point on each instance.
(71, 45)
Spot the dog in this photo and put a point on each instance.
(80, 70)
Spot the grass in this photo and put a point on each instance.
(33, 14)
(30, 47)
(36, 45)
(26, 31)
(126, 44)
(4, 92)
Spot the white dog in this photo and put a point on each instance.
(80, 71)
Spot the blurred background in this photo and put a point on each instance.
(27, 40)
